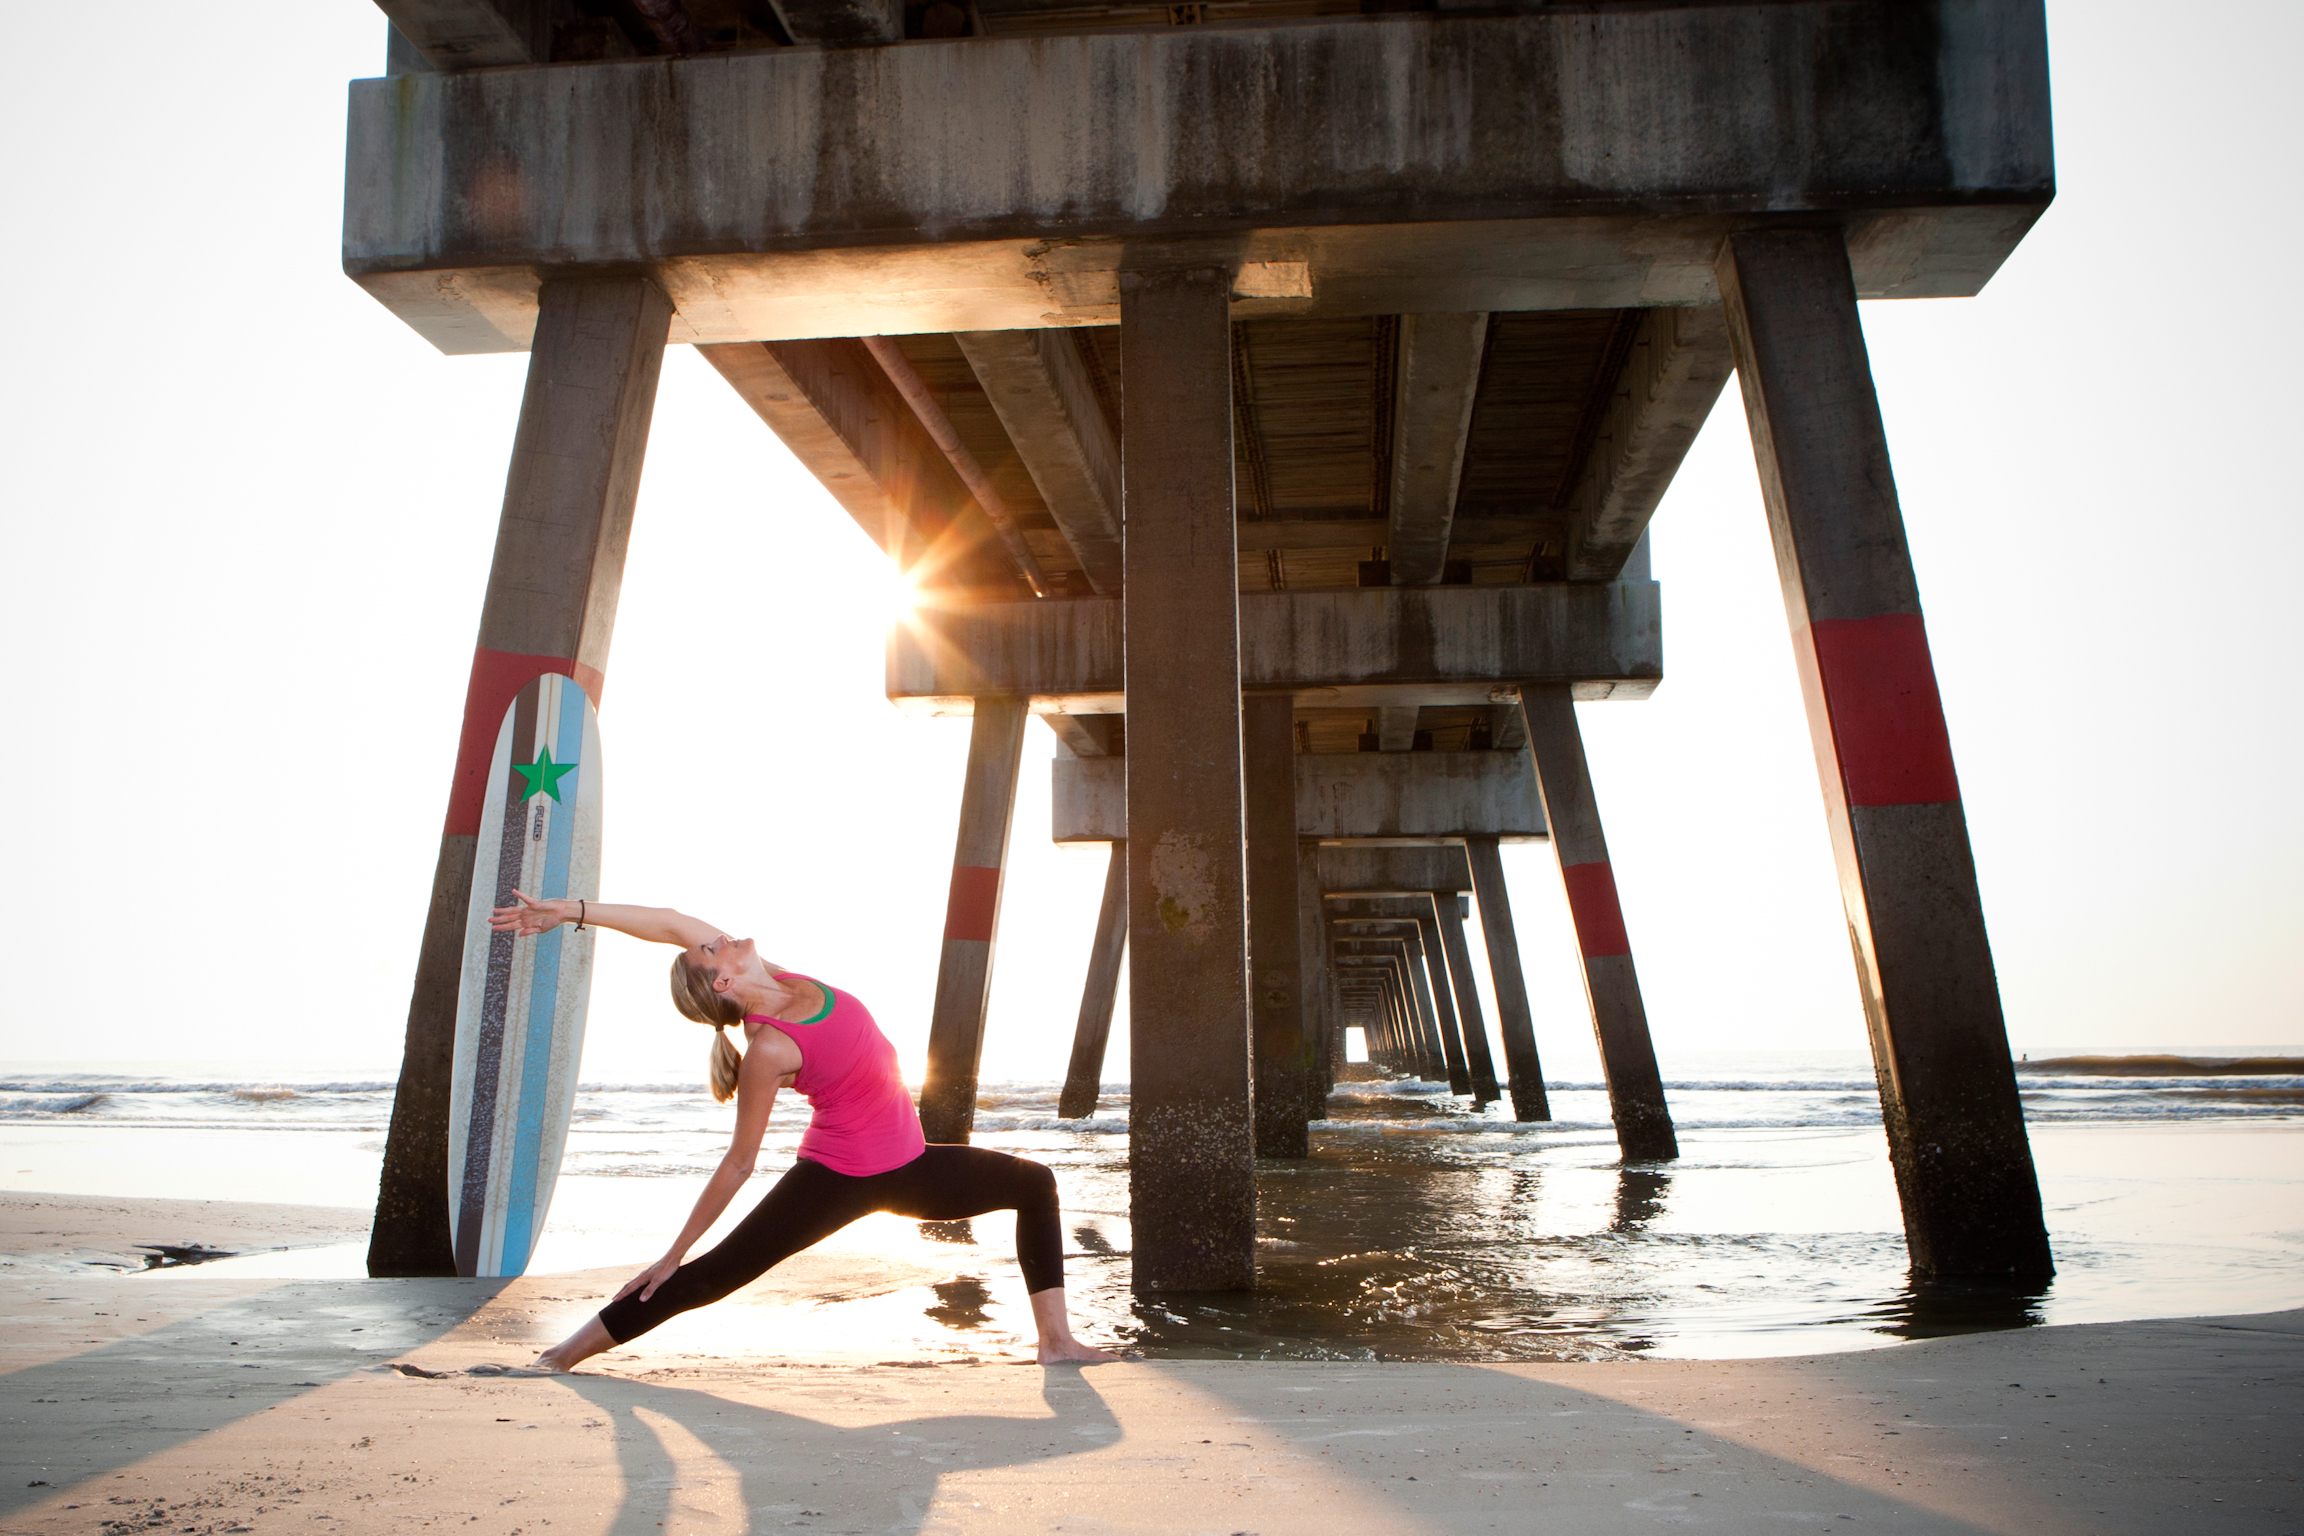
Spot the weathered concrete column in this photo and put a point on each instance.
(1324, 1022)
(1444, 1054)
(550, 607)
(1611, 985)
(1414, 1056)
(1899, 836)
(1480, 1063)
(1525, 1073)
(1422, 1054)
(1275, 946)
(1084, 1078)
(1444, 1003)
(1192, 1151)
(971, 918)
(1398, 1053)
(1387, 1030)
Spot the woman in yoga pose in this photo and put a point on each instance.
(863, 1150)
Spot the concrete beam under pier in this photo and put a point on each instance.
(836, 409)
(1677, 364)
(1040, 390)
(1335, 648)
(1438, 373)
(1404, 797)
(1426, 163)
(1386, 871)
(451, 35)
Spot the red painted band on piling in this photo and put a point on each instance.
(497, 678)
(1592, 905)
(1887, 717)
(975, 899)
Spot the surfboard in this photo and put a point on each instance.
(520, 1004)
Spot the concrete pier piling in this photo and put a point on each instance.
(1467, 369)
(550, 607)
(1432, 1058)
(1399, 1044)
(1084, 1077)
(971, 920)
(1406, 922)
(1192, 1170)
(1523, 1072)
(1419, 1052)
(1324, 1009)
(1452, 1037)
(1275, 944)
(1445, 1064)
(1923, 963)
(1619, 1020)
(1449, 906)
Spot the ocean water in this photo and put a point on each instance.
(1418, 1229)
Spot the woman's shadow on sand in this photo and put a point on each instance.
(697, 1461)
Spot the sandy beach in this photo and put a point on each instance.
(187, 1402)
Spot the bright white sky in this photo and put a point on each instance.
(249, 518)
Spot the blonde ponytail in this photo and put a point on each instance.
(692, 994)
(725, 1061)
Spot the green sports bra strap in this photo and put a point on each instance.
(830, 1002)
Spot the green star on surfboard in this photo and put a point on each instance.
(543, 776)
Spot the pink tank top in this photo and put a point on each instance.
(864, 1122)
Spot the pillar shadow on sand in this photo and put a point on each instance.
(142, 1396)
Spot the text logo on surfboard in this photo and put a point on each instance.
(520, 1006)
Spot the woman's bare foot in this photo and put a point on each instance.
(573, 1350)
(1071, 1351)
(1057, 1346)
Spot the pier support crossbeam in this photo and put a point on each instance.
(1192, 1170)
(1899, 836)
(550, 607)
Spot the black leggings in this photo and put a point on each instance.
(811, 1202)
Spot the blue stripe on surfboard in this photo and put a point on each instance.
(521, 1217)
(472, 1246)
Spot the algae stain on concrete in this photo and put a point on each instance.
(1184, 883)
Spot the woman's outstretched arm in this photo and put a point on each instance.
(769, 1062)
(658, 925)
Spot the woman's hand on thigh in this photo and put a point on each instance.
(650, 1278)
